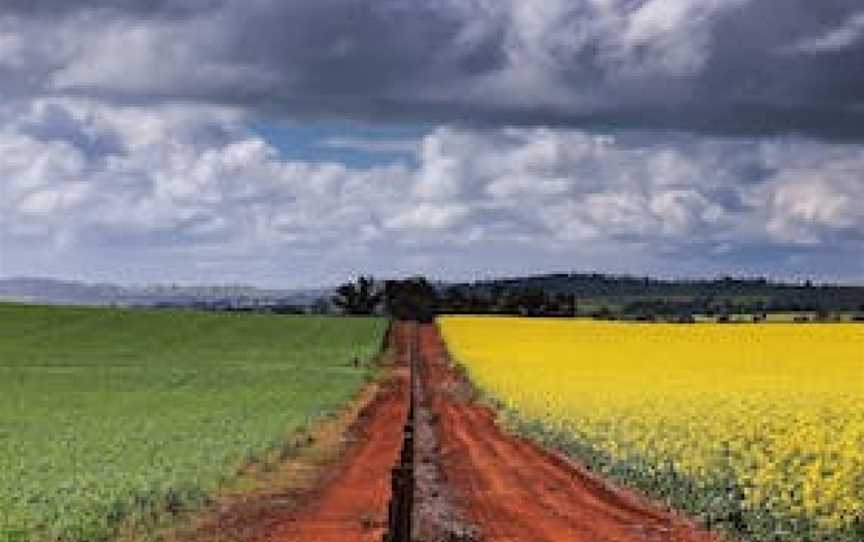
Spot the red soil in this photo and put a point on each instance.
(513, 490)
(351, 504)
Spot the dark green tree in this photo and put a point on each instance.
(454, 300)
(361, 297)
(533, 302)
(411, 299)
(565, 304)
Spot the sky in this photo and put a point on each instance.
(300, 143)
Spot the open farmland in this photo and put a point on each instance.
(111, 415)
(758, 429)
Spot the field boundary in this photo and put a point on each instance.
(285, 479)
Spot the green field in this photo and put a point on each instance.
(111, 416)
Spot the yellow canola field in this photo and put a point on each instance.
(779, 408)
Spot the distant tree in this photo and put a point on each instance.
(509, 302)
(532, 302)
(686, 319)
(565, 304)
(411, 299)
(361, 297)
(491, 299)
(480, 304)
(455, 300)
(603, 313)
(822, 314)
(320, 306)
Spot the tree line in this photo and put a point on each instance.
(598, 296)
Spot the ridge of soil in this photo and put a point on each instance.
(514, 490)
(437, 515)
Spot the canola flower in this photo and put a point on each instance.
(758, 428)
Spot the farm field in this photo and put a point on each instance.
(510, 488)
(110, 416)
(756, 429)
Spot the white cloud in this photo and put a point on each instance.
(837, 39)
(11, 49)
(427, 217)
(812, 201)
(185, 185)
(672, 37)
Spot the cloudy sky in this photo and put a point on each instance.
(296, 143)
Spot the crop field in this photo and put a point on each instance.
(113, 416)
(757, 429)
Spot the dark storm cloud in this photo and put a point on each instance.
(731, 66)
(59, 8)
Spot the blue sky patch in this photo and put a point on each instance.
(353, 144)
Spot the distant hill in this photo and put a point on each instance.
(42, 290)
(633, 295)
(57, 291)
(553, 294)
(600, 285)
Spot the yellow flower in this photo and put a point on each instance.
(780, 406)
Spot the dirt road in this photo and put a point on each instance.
(351, 504)
(515, 491)
(474, 482)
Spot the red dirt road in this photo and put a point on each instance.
(351, 505)
(514, 491)
(485, 485)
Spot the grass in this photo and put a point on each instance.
(111, 417)
(270, 488)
